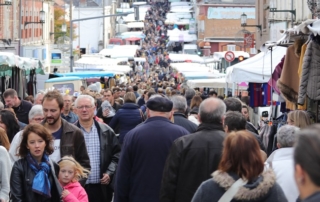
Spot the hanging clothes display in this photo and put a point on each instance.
(288, 83)
(256, 95)
(276, 76)
(303, 50)
(310, 79)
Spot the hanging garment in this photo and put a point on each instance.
(288, 83)
(276, 76)
(303, 50)
(267, 97)
(255, 92)
(310, 79)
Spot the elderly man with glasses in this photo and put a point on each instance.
(103, 149)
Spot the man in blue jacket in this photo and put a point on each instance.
(144, 153)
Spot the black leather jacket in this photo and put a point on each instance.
(21, 183)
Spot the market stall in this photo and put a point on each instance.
(19, 73)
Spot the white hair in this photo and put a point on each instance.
(287, 135)
(84, 97)
(36, 110)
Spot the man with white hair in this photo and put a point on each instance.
(103, 149)
(38, 98)
(281, 161)
(35, 116)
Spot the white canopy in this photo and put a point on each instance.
(213, 74)
(11, 60)
(191, 58)
(124, 51)
(256, 69)
(178, 15)
(135, 25)
(181, 9)
(211, 83)
(181, 3)
(177, 21)
(190, 67)
(178, 35)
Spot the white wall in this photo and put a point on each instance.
(90, 31)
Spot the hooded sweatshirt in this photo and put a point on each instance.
(77, 193)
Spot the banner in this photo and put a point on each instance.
(248, 40)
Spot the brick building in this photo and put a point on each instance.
(219, 24)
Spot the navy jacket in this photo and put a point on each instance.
(142, 160)
(128, 117)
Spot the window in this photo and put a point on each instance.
(231, 47)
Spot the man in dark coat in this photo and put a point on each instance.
(179, 115)
(103, 149)
(144, 153)
(234, 104)
(193, 158)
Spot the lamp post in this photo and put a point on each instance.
(42, 16)
(7, 3)
(243, 19)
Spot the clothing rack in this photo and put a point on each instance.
(304, 30)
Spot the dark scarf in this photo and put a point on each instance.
(41, 183)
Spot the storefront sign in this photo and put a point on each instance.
(230, 13)
(56, 58)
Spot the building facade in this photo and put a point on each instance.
(273, 22)
(219, 25)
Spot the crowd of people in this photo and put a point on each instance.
(152, 139)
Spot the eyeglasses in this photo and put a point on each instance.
(38, 119)
(84, 107)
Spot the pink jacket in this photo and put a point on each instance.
(77, 193)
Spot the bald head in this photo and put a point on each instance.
(212, 110)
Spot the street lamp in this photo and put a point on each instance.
(7, 3)
(243, 19)
(42, 16)
(63, 29)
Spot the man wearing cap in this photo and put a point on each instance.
(144, 153)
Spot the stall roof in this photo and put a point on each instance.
(70, 78)
(257, 68)
(191, 58)
(177, 21)
(135, 25)
(178, 35)
(181, 9)
(211, 83)
(178, 15)
(214, 74)
(87, 74)
(181, 3)
(126, 35)
(190, 67)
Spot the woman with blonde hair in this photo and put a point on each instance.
(195, 103)
(241, 169)
(299, 118)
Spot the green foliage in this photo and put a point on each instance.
(59, 19)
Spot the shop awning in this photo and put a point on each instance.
(135, 25)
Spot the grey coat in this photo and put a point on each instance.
(310, 79)
(263, 189)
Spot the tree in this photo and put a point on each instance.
(59, 19)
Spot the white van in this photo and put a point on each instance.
(191, 49)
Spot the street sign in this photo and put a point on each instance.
(229, 56)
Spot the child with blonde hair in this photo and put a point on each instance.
(69, 175)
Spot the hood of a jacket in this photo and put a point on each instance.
(72, 185)
(257, 189)
(130, 106)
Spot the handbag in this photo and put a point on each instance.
(232, 191)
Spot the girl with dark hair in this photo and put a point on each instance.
(9, 123)
(241, 169)
(33, 177)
